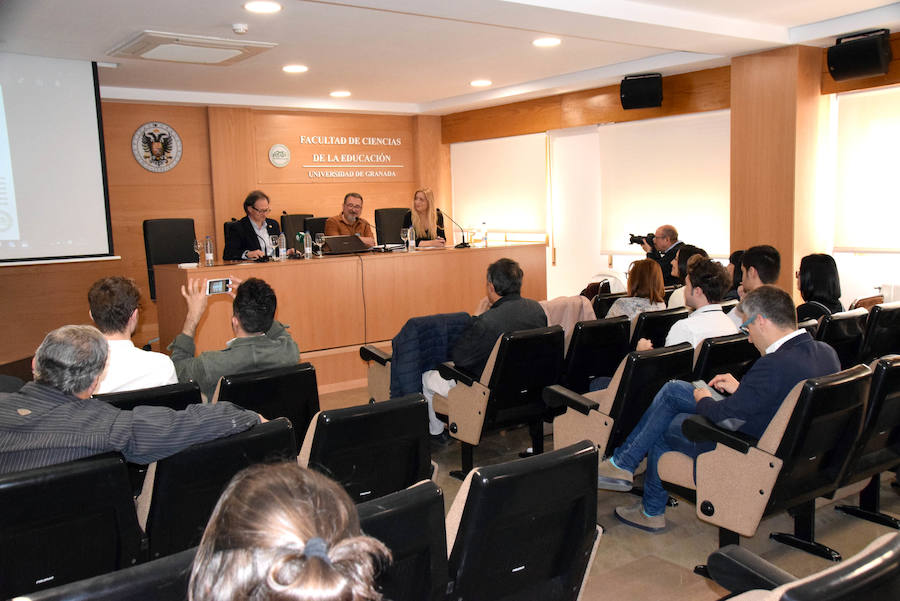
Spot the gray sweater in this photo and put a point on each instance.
(275, 348)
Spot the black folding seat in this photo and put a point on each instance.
(607, 417)
(411, 523)
(873, 574)
(655, 325)
(66, 522)
(163, 579)
(508, 392)
(604, 300)
(732, 354)
(388, 223)
(181, 491)
(167, 241)
(371, 450)
(882, 335)
(173, 396)
(596, 349)
(844, 333)
(526, 529)
(289, 391)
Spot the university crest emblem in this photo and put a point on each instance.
(156, 147)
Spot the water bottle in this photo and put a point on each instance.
(307, 245)
(411, 241)
(484, 233)
(282, 247)
(210, 251)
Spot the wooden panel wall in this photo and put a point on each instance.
(774, 114)
(218, 167)
(706, 90)
(39, 298)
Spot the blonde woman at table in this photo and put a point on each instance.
(425, 220)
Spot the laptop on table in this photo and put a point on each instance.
(343, 245)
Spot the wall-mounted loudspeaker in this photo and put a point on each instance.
(641, 91)
(866, 54)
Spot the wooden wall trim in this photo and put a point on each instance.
(830, 86)
(706, 90)
(231, 145)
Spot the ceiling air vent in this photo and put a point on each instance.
(196, 49)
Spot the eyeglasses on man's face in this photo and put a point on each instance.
(264, 211)
(744, 327)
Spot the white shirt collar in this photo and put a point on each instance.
(777, 344)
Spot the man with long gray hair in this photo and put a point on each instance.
(53, 419)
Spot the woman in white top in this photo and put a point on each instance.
(645, 291)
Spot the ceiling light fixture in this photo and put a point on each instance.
(295, 68)
(340, 94)
(265, 7)
(547, 42)
(480, 83)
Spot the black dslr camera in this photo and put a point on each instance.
(633, 239)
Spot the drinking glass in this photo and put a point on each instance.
(404, 235)
(320, 242)
(273, 240)
(198, 248)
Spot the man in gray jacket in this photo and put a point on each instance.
(259, 341)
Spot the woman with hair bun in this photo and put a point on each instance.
(285, 532)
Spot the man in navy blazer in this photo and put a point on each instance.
(789, 356)
(248, 238)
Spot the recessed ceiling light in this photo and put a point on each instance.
(262, 6)
(480, 83)
(340, 94)
(547, 42)
(295, 68)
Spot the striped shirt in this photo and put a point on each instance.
(39, 425)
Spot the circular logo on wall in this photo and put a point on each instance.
(279, 155)
(156, 147)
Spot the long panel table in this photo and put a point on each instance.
(335, 304)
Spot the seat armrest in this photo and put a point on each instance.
(698, 429)
(370, 353)
(739, 570)
(449, 371)
(560, 396)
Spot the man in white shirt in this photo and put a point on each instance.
(760, 265)
(114, 303)
(705, 284)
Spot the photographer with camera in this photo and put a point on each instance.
(661, 246)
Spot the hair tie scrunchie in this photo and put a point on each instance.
(316, 547)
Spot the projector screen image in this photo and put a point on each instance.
(53, 202)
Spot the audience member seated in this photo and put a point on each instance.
(259, 342)
(427, 223)
(645, 291)
(734, 272)
(114, 303)
(249, 238)
(679, 269)
(665, 247)
(53, 419)
(789, 356)
(284, 532)
(349, 222)
(508, 312)
(759, 265)
(820, 287)
(704, 285)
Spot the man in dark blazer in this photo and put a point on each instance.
(248, 238)
(665, 248)
(789, 356)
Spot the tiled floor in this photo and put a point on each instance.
(632, 565)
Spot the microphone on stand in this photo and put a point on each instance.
(462, 244)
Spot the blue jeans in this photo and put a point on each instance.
(659, 431)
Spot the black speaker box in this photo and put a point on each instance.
(641, 91)
(866, 54)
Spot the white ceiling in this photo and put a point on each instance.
(418, 56)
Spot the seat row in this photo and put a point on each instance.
(88, 507)
(523, 529)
